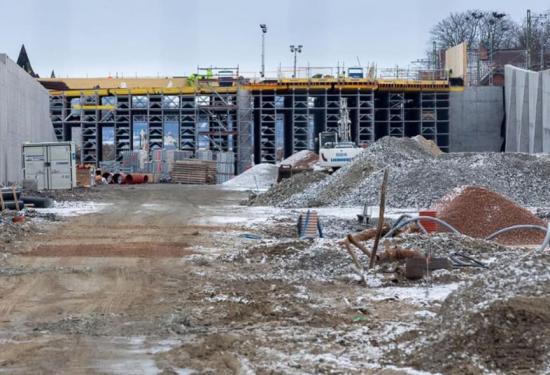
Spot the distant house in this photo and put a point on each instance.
(480, 63)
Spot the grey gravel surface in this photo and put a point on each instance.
(419, 179)
(496, 323)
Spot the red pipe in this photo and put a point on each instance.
(136, 178)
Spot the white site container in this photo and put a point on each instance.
(52, 165)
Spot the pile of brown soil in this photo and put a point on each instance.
(479, 212)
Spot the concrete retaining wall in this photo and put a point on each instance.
(476, 117)
(527, 96)
(546, 110)
(24, 117)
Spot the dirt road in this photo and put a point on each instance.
(86, 297)
(161, 282)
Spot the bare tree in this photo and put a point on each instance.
(540, 31)
(498, 30)
(475, 27)
(457, 28)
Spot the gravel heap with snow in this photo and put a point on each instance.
(443, 244)
(419, 179)
(497, 323)
(302, 159)
(288, 187)
(259, 177)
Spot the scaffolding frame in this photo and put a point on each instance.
(246, 119)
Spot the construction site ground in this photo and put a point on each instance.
(177, 279)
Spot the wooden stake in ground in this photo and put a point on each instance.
(380, 217)
(15, 197)
(358, 267)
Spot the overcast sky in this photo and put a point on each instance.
(171, 37)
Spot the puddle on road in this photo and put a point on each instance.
(131, 355)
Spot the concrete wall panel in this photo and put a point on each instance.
(476, 117)
(24, 117)
(522, 111)
(527, 115)
(535, 112)
(545, 118)
(511, 107)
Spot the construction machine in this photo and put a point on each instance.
(336, 148)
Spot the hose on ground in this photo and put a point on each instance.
(400, 223)
(546, 239)
(417, 218)
(514, 227)
(458, 260)
(407, 216)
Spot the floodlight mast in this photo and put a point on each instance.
(263, 27)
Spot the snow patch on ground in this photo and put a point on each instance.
(260, 178)
(69, 209)
(418, 295)
(410, 371)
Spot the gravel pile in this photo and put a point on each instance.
(419, 179)
(543, 213)
(428, 145)
(288, 187)
(479, 212)
(498, 322)
(259, 177)
(305, 159)
(11, 232)
(326, 260)
(444, 244)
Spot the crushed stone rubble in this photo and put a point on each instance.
(287, 188)
(259, 177)
(443, 244)
(302, 159)
(326, 259)
(11, 232)
(418, 178)
(498, 322)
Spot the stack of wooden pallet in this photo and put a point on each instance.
(193, 171)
